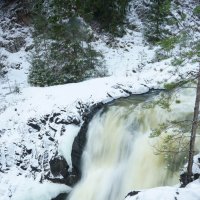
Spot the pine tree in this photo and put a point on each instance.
(157, 10)
(110, 14)
(62, 48)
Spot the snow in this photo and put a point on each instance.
(23, 188)
(196, 164)
(131, 71)
(65, 143)
(191, 192)
(34, 191)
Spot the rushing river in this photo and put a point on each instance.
(120, 156)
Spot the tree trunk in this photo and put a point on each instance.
(193, 131)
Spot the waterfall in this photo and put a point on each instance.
(119, 156)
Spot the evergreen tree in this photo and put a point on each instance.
(157, 11)
(63, 49)
(109, 13)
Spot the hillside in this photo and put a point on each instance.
(48, 91)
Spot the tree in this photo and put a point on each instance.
(193, 131)
(181, 138)
(157, 11)
(110, 14)
(63, 50)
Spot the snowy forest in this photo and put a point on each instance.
(99, 99)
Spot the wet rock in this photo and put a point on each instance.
(59, 170)
(72, 179)
(80, 140)
(61, 196)
(59, 166)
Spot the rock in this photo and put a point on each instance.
(24, 167)
(61, 121)
(61, 196)
(72, 179)
(59, 166)
(70, 120)
(29, 151)
(34, 125)
(46, 117)
(35, 169)
(51, 139)
(80, 140)
(184, 178)
(3, 70)
(51, 119)
(134, 71)
(196, 176)
(132, 193)
(43, 121)
(15, 44)
(23, 16)
(30, 47)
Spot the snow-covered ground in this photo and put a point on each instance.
(191, 192)
(131, 71)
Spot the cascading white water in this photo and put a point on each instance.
(119, 156)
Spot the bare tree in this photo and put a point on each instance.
(193, 131)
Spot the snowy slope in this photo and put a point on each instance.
(38, 124)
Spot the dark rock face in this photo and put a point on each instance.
(59, 172)
(80, 140)
(58, 166)
(61, 196)
(56, 169)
